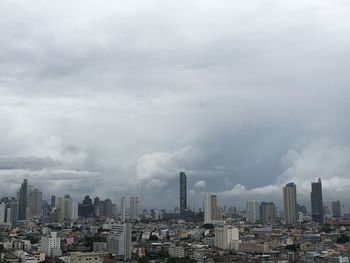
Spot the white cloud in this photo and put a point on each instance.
(200, 184)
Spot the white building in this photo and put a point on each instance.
(51, 245)
(226, 237)
(253, 211)
(28, 259)
(119, 241)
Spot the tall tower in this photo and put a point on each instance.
(122, 209)
(22, 200)
(336, 209)
(35, 203)
(290, 203)
(134, 208)
(211, 209)
(183, 193)
(317, 212)
(253, 211)
(267, 213)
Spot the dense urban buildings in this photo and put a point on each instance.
(94, 231)
(290, 203)
(317, 209)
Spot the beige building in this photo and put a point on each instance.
(226, 237)
(290, 202)
(89, 257)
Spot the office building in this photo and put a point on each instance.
(2, 213)
(290, 203)
(66, 209)
(122, 209)
(253, 211)
(90, 257)
(119, 241)
(226, 237)
(22, 200)
(53, 201)
(267, 213)
(317, 212)
(212, 211)
(183, 193)
(336, 209)
(51, 245)
(86, 209)
(35, 203)
(134, 208)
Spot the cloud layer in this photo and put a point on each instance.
(116, 98)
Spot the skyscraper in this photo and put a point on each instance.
(22, 200)
(119, 241)
(290, 203)
(253, 211)
(2, 213)
(35, 203)
(336, 209)
(317, 212)
(211, 209)
(183, 193)
(226, 237)
(267, 213)
(134, 208)
(53, 201)
(122, 209)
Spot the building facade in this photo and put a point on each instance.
(183, 193)
(253, 212)
(290, 203)
(317, 211)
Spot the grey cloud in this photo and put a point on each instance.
(126, 94)
(30, 163)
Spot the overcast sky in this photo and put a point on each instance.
(114, 98)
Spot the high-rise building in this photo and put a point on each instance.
(22, 200)
(86, 209)
(51, 245)
(108, 208)
(267, 213)
(253, 211)
(65, 206)
(53, 201)
(336, 209)
(35, 203)
(119, 241)
(2, 213)
(122, 209)
(212, 211)
(290, 203)
(183, 193)
(317, 212)
(134, 208)
(226, 237)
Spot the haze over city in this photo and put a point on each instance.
(116, 98)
